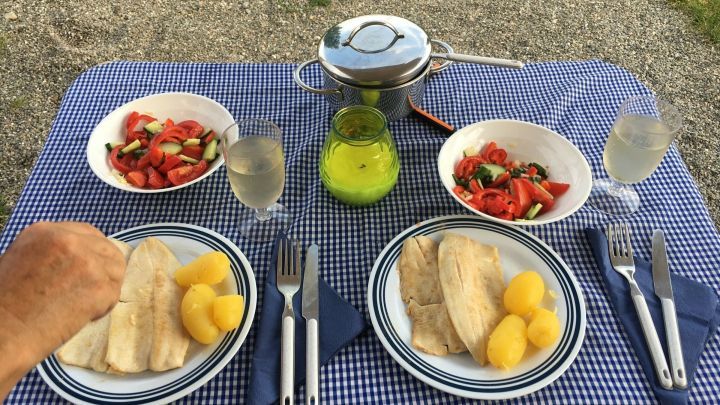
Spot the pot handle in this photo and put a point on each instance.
(301, 83)
(348, 41)
(444, 65)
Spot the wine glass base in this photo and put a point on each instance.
(605, 198)
(264, 230)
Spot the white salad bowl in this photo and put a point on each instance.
(527, 143)
(176, 106)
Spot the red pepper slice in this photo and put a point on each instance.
(488, 148)
(500, 180)
(497, 156)
(134, 119)
(475, 186)
(120, 164)
(176, 132)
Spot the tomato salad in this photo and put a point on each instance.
(157, 155)
(512, 190)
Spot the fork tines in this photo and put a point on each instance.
(619, 240)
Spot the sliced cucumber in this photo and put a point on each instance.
(192, 142)
(112, 145)
(170, 147)
(494, 170)
(153, 128)
(131, 147)
(471, 151)
(210, 152)
(188, 159)
(533, 211)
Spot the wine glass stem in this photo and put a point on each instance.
(616, 189)
(262, 214)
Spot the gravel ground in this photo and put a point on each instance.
(45, 45)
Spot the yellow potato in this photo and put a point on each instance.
(197, 313)
(210, 268)
(228, 311)
(507, 342)
(524, 293)
(544, 328)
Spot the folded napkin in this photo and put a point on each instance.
(698, 314)
(339, 324)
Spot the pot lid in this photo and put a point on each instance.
(374, 51)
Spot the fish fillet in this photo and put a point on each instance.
(418, 268)
(169, 339)
(129, 339)
(432, 331)
(473, 286)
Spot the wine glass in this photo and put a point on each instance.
(255, 164)
(643, 131)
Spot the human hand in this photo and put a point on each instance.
(54, 279)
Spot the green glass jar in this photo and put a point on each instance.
(359, 164)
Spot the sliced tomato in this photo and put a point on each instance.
(522, 195)
(143, 162)
(170, 162)
(193, 127)
(497, 156)
(155, 178)
(495, 202)
(487, 149)
(169, 123)
(467, 167)
(531, 171)
(137, 178)
(156, 156)
(557, 189)
(209, 137)
(193, 151)
(547, 206)
(184, 174)
(120, 164)
(500, 180)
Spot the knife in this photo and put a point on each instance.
(310, 311)
(663, 289)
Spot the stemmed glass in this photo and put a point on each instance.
(643, 131)
(255, 165)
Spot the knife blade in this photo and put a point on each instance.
(311, 313)
(663, 289)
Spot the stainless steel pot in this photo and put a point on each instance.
(383, 62)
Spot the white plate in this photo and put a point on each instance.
(528, 143)
(202, 363)
(176, 106)
(459, 374)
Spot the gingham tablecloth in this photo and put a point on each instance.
(576, 99)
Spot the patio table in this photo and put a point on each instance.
(576, 99)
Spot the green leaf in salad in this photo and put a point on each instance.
(459, 181)
(483, 175)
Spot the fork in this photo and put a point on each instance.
(288, 283)
(621, 258)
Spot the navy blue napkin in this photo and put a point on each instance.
(339, 324)
(697, 309)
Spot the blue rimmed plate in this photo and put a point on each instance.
(202, 363)
(457, 373)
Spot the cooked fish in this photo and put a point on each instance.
(418, 268)
(169, 339)
(130, 337)
(432, 331)
(472, 284)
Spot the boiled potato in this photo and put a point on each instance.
(544, 328)
(197, 313)
(228, 311)
(524, 293)
(210, 268)
(507, 342)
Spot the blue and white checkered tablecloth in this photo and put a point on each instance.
(576, 99)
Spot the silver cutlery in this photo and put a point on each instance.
(663, 290)
(621, 258)
(311, 313)
(288, 283)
